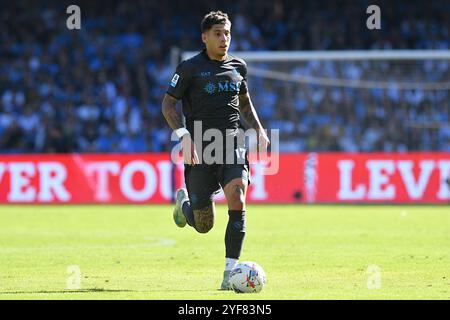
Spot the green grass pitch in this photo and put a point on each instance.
(308, 252)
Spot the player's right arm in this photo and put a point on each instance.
(173, 118)
(169, 111)
(178, 85)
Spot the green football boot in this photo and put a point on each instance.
(178, 216)
(226, 281)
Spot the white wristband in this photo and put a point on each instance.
(181, 132)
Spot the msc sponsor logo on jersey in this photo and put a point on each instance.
(222, 86)
(174, 81)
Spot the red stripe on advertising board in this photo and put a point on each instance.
(301, 177)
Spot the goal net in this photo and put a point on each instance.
(377, 100)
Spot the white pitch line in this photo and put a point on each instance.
(150, 242)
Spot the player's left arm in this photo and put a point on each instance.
(249, 114)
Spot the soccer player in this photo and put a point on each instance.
(213, 88)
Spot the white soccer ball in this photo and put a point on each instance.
(247, 277)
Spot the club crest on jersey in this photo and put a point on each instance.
(174, 81)
(210, 88)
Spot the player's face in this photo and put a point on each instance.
(217, 39)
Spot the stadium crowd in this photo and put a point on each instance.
(99, 89)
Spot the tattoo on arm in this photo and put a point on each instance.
(169, 111)
(248, 112)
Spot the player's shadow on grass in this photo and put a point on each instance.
(98, 290)
(67, 291)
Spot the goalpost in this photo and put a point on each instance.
(360, 100)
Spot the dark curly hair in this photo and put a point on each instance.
(212, 18)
